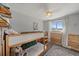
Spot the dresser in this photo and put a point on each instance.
(56, 38)
(73, 41)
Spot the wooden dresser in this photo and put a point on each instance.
(56, 38)
(73, 41)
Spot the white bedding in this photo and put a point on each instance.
(35, 50)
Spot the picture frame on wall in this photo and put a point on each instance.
(35, 26)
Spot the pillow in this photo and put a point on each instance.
(29, 44)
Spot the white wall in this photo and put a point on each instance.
(23, 23)
(74, 24)
(45, 25)
(71, 26)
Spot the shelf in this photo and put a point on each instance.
(3, 23)
(5, 11)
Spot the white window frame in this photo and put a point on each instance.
(56, 29)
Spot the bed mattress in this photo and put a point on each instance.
(35, 50)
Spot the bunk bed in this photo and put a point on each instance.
(28, 42)
(3, 24)
(5, 15)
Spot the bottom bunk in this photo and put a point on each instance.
(28, 49)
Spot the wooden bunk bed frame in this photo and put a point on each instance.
(3, 24)
(9, 46)
(4, 13)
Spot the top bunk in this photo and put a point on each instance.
(19, 39)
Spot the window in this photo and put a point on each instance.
(57, 25)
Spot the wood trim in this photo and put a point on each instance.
(19, 44)
(7, 47)
(72, 34)
(32, 32)
(25, 33)
(3, 47)
(13, 35)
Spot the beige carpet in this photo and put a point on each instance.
(61, 51)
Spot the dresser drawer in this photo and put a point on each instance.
(74, 38)
(73, 44)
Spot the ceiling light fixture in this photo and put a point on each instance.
(48, 13)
